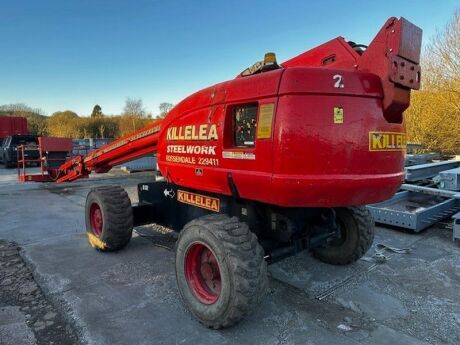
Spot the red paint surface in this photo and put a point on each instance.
(310, 161)
(96, 220)
(10, 125)
(202, 273)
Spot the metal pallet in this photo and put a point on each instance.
(418, 207)
(421, 172)
(449, 179)
(414, 210)
(456, 227)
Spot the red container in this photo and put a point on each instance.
(12, 125)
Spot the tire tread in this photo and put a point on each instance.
(246, 258)
(118, 218)
(365, 232)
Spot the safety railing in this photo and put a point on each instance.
(24, 160)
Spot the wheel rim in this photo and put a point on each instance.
(202, 273)
(96, 220)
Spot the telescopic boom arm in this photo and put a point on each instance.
(129, 147)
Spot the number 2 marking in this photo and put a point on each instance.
(338, 81)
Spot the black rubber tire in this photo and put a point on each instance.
(357, 226)
(242, 265)
(117, 216)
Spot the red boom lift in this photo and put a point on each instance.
(280, 159)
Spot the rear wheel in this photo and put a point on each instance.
(356, 228)
(220, 269)
(109, 218)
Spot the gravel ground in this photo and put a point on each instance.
(131, 297)
(26, 316)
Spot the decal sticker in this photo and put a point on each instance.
(208, 161)
(193, 160)
(339, 84)
(338, 115)
(181, 159)
(238, 155)
(198, 200)
(192, 149)
(169, 193)
(264, 127)
(192, 132)
(387, 141)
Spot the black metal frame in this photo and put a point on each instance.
(281, 231)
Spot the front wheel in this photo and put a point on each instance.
(109, 218)
(220, 269)
(356, 234)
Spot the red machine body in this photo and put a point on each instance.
(307, 160)
(328, 128)
(10, 125)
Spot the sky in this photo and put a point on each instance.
(72, 54)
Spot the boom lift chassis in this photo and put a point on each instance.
(239, 183)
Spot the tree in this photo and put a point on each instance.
(442, 68)
(98, 127)
(433, 119)
(165, 107)
(36, 120)
(97, 111)
(64, 124)
(134, 116)
(134, 107)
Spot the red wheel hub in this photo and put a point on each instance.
(96, 220)
(203, 273)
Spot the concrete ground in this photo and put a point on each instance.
(130, 297)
